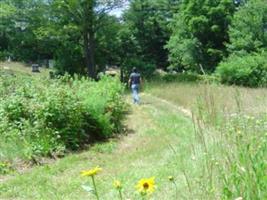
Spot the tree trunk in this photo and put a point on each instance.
(89, 38)
(89, 44)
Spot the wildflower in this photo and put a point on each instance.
(91, 172)
(146, 186)
(239, 198)
(171, 178)
(117, 185)
(242, 169)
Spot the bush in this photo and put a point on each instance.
(145, 68)
(186, 77)
(249, 70)
(3, 55)
(53, 115)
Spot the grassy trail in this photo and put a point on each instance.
(158, 140)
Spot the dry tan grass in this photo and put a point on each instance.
(228, 98)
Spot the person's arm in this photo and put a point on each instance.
(130, 81)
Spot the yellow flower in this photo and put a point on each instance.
(117, 184)
(91, 172)
(146, 186)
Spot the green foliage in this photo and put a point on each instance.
(3, 55)
(145, 31)
(5, 168)
(73, 63)
(248, 70)
(248, 31)
(88, 21)
(185, 77)
(107, 43)
(51, 116)
(248, 35)
(145, 68)
(73, 32)
(17, 29)
(199, 34)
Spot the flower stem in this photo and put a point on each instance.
(96, 194)
(176, 189)
(143, 197)
(120, 194)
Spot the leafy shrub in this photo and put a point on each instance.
(249, 70)
(247, 32)
(145, 68)
(5, 168)
(53, 115)
(186, 77)
(73, 63)
(3, 55)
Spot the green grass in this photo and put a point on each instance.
(149, 151)
(231, 129)
(21, 68)
(220, 154)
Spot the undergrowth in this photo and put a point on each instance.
(45, 117)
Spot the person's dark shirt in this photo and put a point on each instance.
(135, 78)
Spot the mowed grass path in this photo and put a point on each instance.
(158, 140)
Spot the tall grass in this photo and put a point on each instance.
(230, 143)
(253, 101)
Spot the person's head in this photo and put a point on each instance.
(134, 70)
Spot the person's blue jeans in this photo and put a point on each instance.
(135, 90)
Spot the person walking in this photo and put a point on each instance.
(135, 83)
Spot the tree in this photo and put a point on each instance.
(199, 34)
(146, 23)
(6, 13)
(107, 42)
(19, 21)
(86, 17)
(248, 32)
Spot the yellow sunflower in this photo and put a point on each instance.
(146, 186)
(91, 172)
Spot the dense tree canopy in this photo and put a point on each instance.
(19, 20)
(83, 37)
(44, 29)
(147, 22)
(248, 32)
(199, 33)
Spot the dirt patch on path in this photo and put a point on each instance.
(183, 110)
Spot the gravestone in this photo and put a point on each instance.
(35, 68)
(51, 63)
